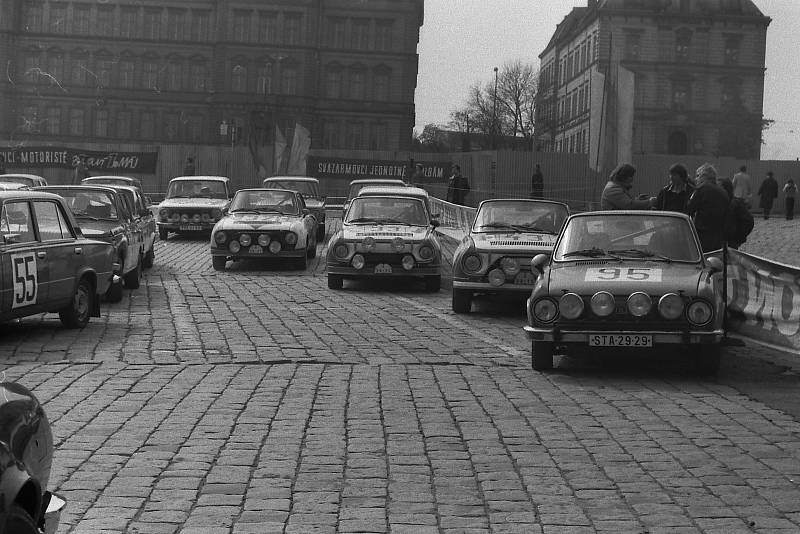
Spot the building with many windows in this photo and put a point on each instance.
(186, 71)
(697, 69)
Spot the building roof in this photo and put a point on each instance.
(567, 27)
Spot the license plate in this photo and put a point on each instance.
(383, 268)
(191, 228)
(256, 249)
(620, 340)
(525, 279)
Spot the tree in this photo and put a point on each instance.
(432, 139)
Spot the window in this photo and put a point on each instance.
(104, 66)
(268, 27)
(731, 94)
(176, 22)
(51, 222)
(683, 43)
(31, 65)
(105, 20)
(292, 27)
(680, 95)
(330, 134)
(127, 70)
(238, 77)
(732, 46)
(338, 32)
(150, 74)
(195, 128)
(53, 121)
(333, 82)
(289, 81)
(383, 35)
(357, 84)
(124, 124)
(379, 138)
(199, 74)
(15, 223)
(30, 119)
(76, 122)
(101, 123)
(174, 80)
(633, 46)
(381, 86)
(58, 18)
(33, 17)
(152, 24)
(360, 34)
(147, 125)
(264, 81)
(171, 126)
(128, 22)
(241, 26)
(80, 19)
(200, 25)
(55, 66)
(355, 135)
(80, 66)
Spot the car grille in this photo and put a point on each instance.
(384, 234)
(521, 244)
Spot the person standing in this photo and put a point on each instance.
(457, 187)
(741, 186)
(537, 183)
(768, 193)
(738, 221)
(708, 207)
(790, 190)
(188, 167)
(675, 195)
(617, 192)
(418, 178)
(81, 170)
(2, 164)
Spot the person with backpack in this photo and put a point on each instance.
(739, 221)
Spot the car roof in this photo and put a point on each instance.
(532, 200)
(27, 194)
(10, 186)
(292, 178)
(271, 190)
(390, 196)
(387, 181)
(393, 190)
(642, 213)
(83, 187)
(209, 178)
(20, 175)
(111, 176)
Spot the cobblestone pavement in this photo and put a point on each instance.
(775, 238)
(257, 400)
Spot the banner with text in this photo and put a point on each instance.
(67, 158)
(353, 169)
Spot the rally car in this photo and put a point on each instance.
(309, 188)
(193, 204)
(385, 236)
(495, 257)
(265, 223)
(627, 280)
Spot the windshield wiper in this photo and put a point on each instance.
(534, 228)
(640, 254)
(590, 253)
(364, 220)
(500, 225)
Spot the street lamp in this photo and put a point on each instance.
(228, 129)
(494, 113)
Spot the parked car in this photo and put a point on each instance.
(400, 191)
(26, 461)
(113, 180)
(12, 186)
(144, 222)
(495, 257)
(46, 264)
(104, 214)
(193, 204)
(29, 180)
(627, 280)
(390, 236)
(309, 188)
(358, 185)
(265, 223)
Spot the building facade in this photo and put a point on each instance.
(698, 71)
(210, 71)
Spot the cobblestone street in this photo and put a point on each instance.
(257, 400)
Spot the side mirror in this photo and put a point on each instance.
(435, 215)
(715, 264)
(435, 223)
(539, 261)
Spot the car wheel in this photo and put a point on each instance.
(335, 281)
(114, 293)
(321, 232)
(18, 521)
(219, 262)
(133, 276)
(149, 258)
(462, 301)
(707, 359)
(76, 313)
(542, 355)
(433, 283)
(163, 234)
(311, 251)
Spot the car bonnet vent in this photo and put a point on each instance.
(384, 234)
(592, 262)
(520, 244)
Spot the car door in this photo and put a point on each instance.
(59, 244)
(136, 236)
(23, 262)
(148, 224)
(309, 221)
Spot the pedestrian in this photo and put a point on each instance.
(675, 195)
(708, 207)
(741, 186)
(418, 178)
(738, 221)
(188, 167)
(768, 193)
(81, 170)
(617, 192)
(790, 190)
(457, 187)
(537, 183)
(2, 164)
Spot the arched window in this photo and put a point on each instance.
(380, 83)
(199, 73)
(102, 70)
(127, 70)
(150, 68)
(238, 75)
(264, 81)
(55, 65)
(174, 74)
(333, 81)
(357, 82)
(79, 67)
(289, 79)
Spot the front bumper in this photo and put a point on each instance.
(266, 254)
(186, 227)
(52, 515)
(397, 272)
(659, 337)
(483, 287)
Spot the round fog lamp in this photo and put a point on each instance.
(263, 240)
(291, 238)
(426, 252)
(639, 304)
(245, 240)
(670, 306)
(206, 217)
(571, 306)
(602, 303)
(219, 237)
(175, 217)
(699, 313)
(197, 218)
(510, 266)
(545, 310)
(184, 218)
(368, 243)
(358, 262)
(275, 247)
(472, 263)
(497, 277)
(234, 247)
(408, 262)
(398, 243)
(164, 214)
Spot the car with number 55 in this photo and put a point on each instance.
(46, 264)
(627, 281)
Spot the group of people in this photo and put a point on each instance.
(768, 191)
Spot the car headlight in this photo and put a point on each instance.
(358, 261)
(197, 218)
(185, 218)
(670, 306)
(398, 244)
(175, 216)
(234, 247)
(341, 251)
(510, 266)
(639, 304)
(368, 243)
(472, 263)
(497, 277)
(545, 310)
(291, 238)
(206, 217)
(163, 214)
(699, 313)
(571, 306)
(408, 262)
(263, 240)
(426, 252)
(220, 237)
(602, 304)
(275, 247)
(245, 240)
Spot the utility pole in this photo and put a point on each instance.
(494, 113)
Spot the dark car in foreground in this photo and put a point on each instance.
(627, 281)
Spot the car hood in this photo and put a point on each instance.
(193, 203)
(512, 242)
(258, 221)
(95, 229)
(589, 276)
(314, 204)
(385, 232)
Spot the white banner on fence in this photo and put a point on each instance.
(453, 216)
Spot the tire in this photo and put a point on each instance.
(707, 359)
(163, 234)
(219, 262)
(462, 301)
(149, 258)
(76, 313)
(433, 284)
(321, 232)
(311, 251)
(132, 277)
(18, 521)
(335, 281)
(114, 293)
(542, 355)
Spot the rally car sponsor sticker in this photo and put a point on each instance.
(623, 274)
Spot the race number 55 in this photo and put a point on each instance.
(26, 281)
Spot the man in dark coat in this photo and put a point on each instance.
(537, 183)
(675, 195)
(768, 193)
(708, 206)
(457, 187)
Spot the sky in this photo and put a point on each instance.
(462, 41)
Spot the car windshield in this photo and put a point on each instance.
(355, 188)
(24, 180)
(89, 204)
(628, 237)
(197, 189)
(306, 188)
(274, 201)
(520, 216)
(385, 210)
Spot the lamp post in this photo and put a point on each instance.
(228, 129)
(494, 113)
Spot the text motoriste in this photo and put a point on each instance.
(61, 157)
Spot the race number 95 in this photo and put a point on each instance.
(631, 274)
(26, 282)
